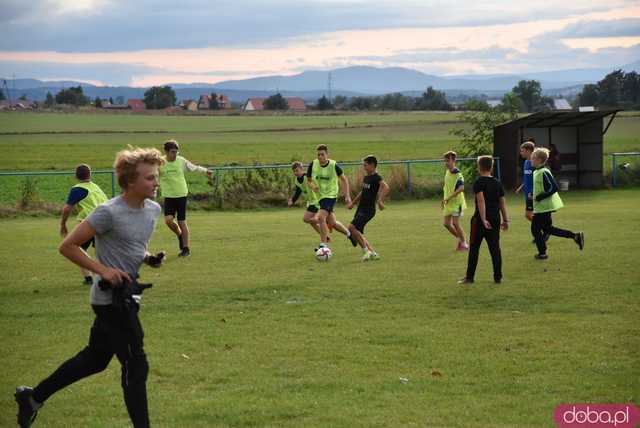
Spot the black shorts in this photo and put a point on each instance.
(89, 243)
(312, 209)
(362, 217)
(528, 204)
(327, 204)
(176, 205)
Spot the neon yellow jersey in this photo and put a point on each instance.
(95, 197)
(458, 203)
(172, 181)
(309, 195)
(326, 179)
(553, 202)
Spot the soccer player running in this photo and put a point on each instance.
(546, 200)
(122, 228)
(313, 206)
(486, 223)
(325, 178)
(453, 203)
(374, 190)
(173, 186)
(87, 195)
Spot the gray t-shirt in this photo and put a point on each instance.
(121, 239)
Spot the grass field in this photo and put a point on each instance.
(252, 331)
(61, 141)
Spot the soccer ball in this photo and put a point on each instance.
(323, 254)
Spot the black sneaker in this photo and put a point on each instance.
(541, 257)
(185, 252)
(465, 280)
(497, 280)
(579, 238)
(353, 241)
(26, 413)
(87, 280)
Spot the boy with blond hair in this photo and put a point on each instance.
(122, 228)
(546, 200)
(453, 203)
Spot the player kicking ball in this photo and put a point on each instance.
(374, 190)
(325, 178)
(313, 205)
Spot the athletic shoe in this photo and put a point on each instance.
(465, 280)
(26, 413)
(497, 280)
(367, 256)
(87, 280)
(375, 256)
(185, 252)
(353, 241)
(541, 257)
(462, 246)
(579, 239)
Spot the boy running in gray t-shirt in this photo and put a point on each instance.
(122, 228)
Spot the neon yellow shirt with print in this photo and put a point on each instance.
(326, 179)
(458, 203)
(95, 197)
(309, 195)
(553, 202)
(173, 184)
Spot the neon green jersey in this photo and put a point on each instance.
(309, 195)
(172, 181)
(95, 197)
(458, 203)
(553, 202)
(326, 179)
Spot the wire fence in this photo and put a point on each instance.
(415, 177)
(625, 168)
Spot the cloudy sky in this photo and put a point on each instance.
(145, 42)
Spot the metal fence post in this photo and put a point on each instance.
(409, 183)
(613, 170)
(498, 173)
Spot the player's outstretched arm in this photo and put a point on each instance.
(384, 191)
(344, 184)
(70, 248)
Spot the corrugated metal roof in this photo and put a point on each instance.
(549, 119)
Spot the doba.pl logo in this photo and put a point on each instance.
(597, 415)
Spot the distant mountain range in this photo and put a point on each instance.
(349, 81)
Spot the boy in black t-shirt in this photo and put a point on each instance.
(486, 223)
(367, 199)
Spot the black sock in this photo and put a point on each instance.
(180, 241)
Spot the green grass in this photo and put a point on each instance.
(274, 338)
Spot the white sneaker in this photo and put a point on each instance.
(375, 256)
(367, 256)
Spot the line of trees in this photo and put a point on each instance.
(159, 97)
(431, 99)
(617, 89)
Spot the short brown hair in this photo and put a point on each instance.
(171, 145)
(371, 160)
(322, 147)
(450, 155)
(127, 160)
(295, 165)
(83, 171)
(542, 154)
(528, 145)
(485, 163)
